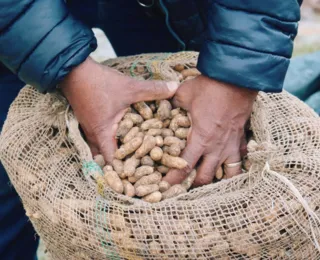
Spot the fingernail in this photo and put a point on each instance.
(172, 85)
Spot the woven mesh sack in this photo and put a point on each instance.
(270, 212)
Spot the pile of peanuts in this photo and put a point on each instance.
(151, 137)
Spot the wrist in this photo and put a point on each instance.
(234, 90)
(77, 77)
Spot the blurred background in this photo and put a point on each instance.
(308, 39)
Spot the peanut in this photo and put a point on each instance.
(156, 153)
(140, 134)
(164, 110)
(143, 170)
(163, 186)
(153, 197)
(166, 123)
(246, 164)
(151, 123)
(174, 150)
(146, 160)
(133, 179)
(113, 181)
(99, 160)
(159, 141)
(173, 191)
(162, 169)
(153, 178)
(135, 118)
(130, 166)
(107, 168)
(178, 67)
(175, 112)
(170, 140)
(153, 107)
(173, 162)
(128, 148)
(124, 127)
(154, 132)
(166, 149)
(144, 190)
(144, 110)
(219, 173)
(183, 121)
(167, 132)
(131, 134)
(183, 144)
(128, 188)
(189, 180)
(190, 72)
(148, 144)
(117, 166)
(182, 133)
(174, 122)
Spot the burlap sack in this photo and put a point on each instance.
(271, 212)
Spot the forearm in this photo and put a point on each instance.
(250, 42)
(41, 42)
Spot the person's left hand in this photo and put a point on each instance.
(100, 96)
(218, 112)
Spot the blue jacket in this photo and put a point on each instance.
(244, 42)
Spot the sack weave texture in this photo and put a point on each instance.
(270, 212)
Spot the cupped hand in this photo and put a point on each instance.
(218, 113)
(100, 96)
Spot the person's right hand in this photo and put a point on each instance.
(100, 96)
(218, 113)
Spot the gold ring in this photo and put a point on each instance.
(232, 165)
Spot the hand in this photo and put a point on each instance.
(218, 114)
(100, 96)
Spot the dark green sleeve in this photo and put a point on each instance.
(41, 41)
(250, 42)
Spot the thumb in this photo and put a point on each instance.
(154, 90)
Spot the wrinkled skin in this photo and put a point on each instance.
(218, 113)
(100, 96)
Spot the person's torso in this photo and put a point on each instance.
(185, 19)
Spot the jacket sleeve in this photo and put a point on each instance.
(250, 42)
(41, 42)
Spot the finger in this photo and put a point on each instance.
(231, 171)
(153, 90)
(107, 146)
(94, 149)
(106, 139)
(107, 142)
(243, 146)
(183, 99)
(206, 170)
(191, 154)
